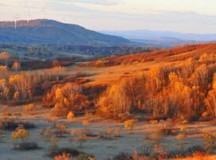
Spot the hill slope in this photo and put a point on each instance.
(168, 55)
(110, 69)
(43, 31)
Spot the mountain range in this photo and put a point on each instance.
(162, 35)
(44, 31)
(51, 32)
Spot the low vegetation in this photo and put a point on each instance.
(13, 125)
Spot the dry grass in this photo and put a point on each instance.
(133, 64)
(200, 157)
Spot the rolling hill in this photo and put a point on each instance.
(110, 69)
(43, 31)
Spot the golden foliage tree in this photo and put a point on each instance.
(66, 98)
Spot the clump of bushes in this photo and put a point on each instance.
(61, 151)
(210, 142)
(123, 156)
(168, 131)
(186, 152)
(12, 125)
(110, 133)
(160, 153)
(58, 131)
(70, 116)
(29, 108)
(61, 130)
(65, 99)
(129, 124)
(23, 135)
(168, 128)
(20, 133)
(178, 92)
(80, 135)
(24, 87)
(67, 154)
(26, 146)
(53, 135)
(64, 156)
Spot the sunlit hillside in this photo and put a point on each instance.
(163, 100)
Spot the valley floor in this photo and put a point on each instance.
(143, 135)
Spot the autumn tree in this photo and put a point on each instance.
(22, 85)
(66, 98)
(210, 100)
(116, 100)
(156, 79)
(4, 89)
(160, 92)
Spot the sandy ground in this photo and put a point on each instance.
(128, 141)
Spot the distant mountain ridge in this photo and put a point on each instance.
(162, 35)
(44, 31)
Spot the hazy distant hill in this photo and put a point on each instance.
(43, 31)
(163, 38)
(162, 35)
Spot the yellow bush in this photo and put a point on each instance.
(79, 131)
(129, 124)
(70, 116)
(86, 122)
(183, 128)
(20, 133)
(29, 108)
(180, 136)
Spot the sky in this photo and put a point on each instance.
(186, 16)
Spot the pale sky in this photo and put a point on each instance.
(188, 16)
